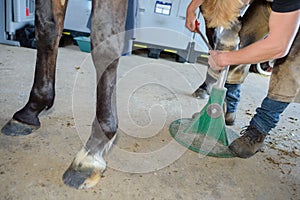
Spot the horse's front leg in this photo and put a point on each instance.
(108, 22)
(49, 17)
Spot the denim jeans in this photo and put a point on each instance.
(267, 116)
(232, 96)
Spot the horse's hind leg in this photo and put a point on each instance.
(49, 17)
(255, 23)
(108, 21)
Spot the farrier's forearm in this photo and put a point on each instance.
(283, 29)
(194, 5)
(259, 52)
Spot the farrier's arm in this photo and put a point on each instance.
(283, 28)
(191, 14)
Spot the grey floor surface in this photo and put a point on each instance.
(151, 94)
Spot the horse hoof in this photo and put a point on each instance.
(81, 179)
(85, 171)
(16, 128)
(195, 115)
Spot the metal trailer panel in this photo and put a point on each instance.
(14, 15)
(162, 24)
(77, 15)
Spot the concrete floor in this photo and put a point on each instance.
(144, 163)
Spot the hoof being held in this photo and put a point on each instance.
(195, 115)
(201, 93)
(16, 128)
(85, 171)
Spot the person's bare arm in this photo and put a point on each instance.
(283, 29)
(191, 14)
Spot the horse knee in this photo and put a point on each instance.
(228, 39)
(49, 23)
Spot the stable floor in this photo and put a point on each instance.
(151, 94)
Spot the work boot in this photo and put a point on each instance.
(202, 92)
(230, 118)
(248, 144)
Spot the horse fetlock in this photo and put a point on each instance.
(27, 116)
(84, 160)
(42, 98)
(111, 133)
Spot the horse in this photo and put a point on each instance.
(108, 22)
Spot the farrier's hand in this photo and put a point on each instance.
(190, 20)
(215, 61)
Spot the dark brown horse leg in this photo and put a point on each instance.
(255, 23)
(202, 92)
(227, 39)
(49, 17)
(254, 28)
(108, 21)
